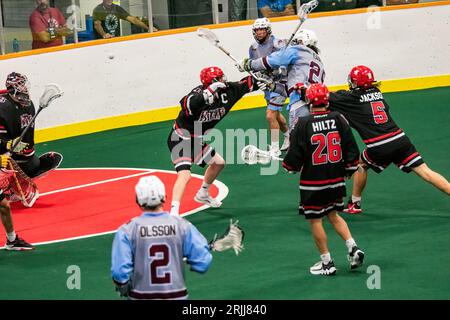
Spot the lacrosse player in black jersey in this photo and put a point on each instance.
(201, 110)
(323, 149)
(367, 111)
(16, 113)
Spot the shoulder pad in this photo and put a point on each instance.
(254, 46)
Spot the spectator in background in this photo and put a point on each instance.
(275, 8)
(47, 25)
(237, 10)
(107, 17)
(395, 2)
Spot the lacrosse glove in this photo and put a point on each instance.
(18, 148)
(4, 161)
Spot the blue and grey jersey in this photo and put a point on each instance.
(259, 50)
(303, 65)
(148, 253)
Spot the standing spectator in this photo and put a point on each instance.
(237, 10)
(107, 17)
(47, 25)
(324, 150)
(275, 8)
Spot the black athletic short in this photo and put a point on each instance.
(401, 152)
(320, 197)
(186, 151)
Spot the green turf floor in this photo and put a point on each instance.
(404, 229)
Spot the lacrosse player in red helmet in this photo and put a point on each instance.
(201, 109)
(324, 150)
(367, 111)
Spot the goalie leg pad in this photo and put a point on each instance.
(48, 162)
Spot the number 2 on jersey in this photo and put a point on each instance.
(314, 73)
(332, 142)
(379, 113)
(160, 258)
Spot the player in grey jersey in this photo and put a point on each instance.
(148, 251)
(266, 43)
(304, 67)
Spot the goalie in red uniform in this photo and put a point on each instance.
(323, 149)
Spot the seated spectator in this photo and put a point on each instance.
(107, 17)
(275, 8)
(47, 25)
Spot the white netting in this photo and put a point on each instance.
(17, 186)
(52, 91)
(252, 155)
(208, 35)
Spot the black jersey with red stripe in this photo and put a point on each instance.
(13, 120)
(368, 113)
(194, 108)
(324, 149)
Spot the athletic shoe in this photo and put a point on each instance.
(356, 257)
(353, 207)
(321, 268)
(285, 145)
(207, 199)
(18, 244)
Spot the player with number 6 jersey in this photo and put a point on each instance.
(368, 112)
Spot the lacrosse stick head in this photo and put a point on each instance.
(307, 8)
(232, 239)
(207, 34)
(52, 91)
(252, 155)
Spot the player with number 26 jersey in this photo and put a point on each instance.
(324, 150)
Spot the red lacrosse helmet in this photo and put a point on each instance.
(18, 87)
(317, 95)
(361, 77)
(211, 74)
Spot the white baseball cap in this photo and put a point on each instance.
(150, 191)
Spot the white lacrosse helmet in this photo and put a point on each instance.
(305, 37)
(150, 191)
(261, 23)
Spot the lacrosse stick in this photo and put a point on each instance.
(52, 91)
(303, 12)
(231, 239)
(252, 155)
(207, 34)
